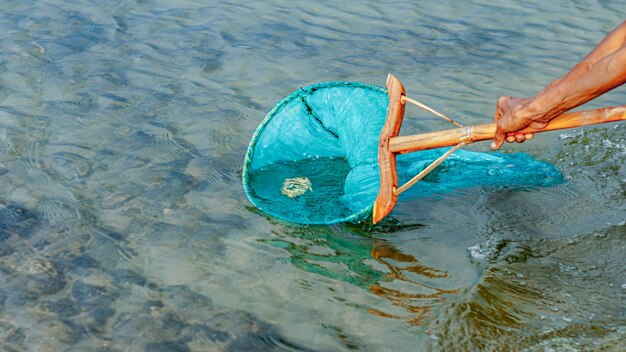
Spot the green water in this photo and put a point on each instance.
(124, 225)
(320, 199)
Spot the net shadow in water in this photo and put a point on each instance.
(349, 254)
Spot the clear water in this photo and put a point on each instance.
(124, 226)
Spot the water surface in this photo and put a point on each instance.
(124, 225)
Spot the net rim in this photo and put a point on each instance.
(355, 217)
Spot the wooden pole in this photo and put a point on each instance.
(469, 134)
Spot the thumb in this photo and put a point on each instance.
(538, 125)
(498, 140)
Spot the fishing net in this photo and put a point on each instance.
(313, 159)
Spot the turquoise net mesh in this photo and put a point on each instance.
(313, 159)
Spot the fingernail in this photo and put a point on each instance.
(493, 145)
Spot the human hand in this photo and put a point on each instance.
(512, 115)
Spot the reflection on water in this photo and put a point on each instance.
(419, 298)
(348, 254)
(124, 225)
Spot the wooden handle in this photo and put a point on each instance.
(468, 134)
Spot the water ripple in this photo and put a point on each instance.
(123, 223)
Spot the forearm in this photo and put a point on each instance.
(611, 43)
(578, 87)
(600, 71)
(603, 69)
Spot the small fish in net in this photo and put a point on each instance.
(295, 187)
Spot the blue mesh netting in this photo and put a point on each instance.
(313, 159)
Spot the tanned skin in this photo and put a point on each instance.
(603, 69)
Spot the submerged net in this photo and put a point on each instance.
(313, 159)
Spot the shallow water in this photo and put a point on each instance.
(124, 226)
